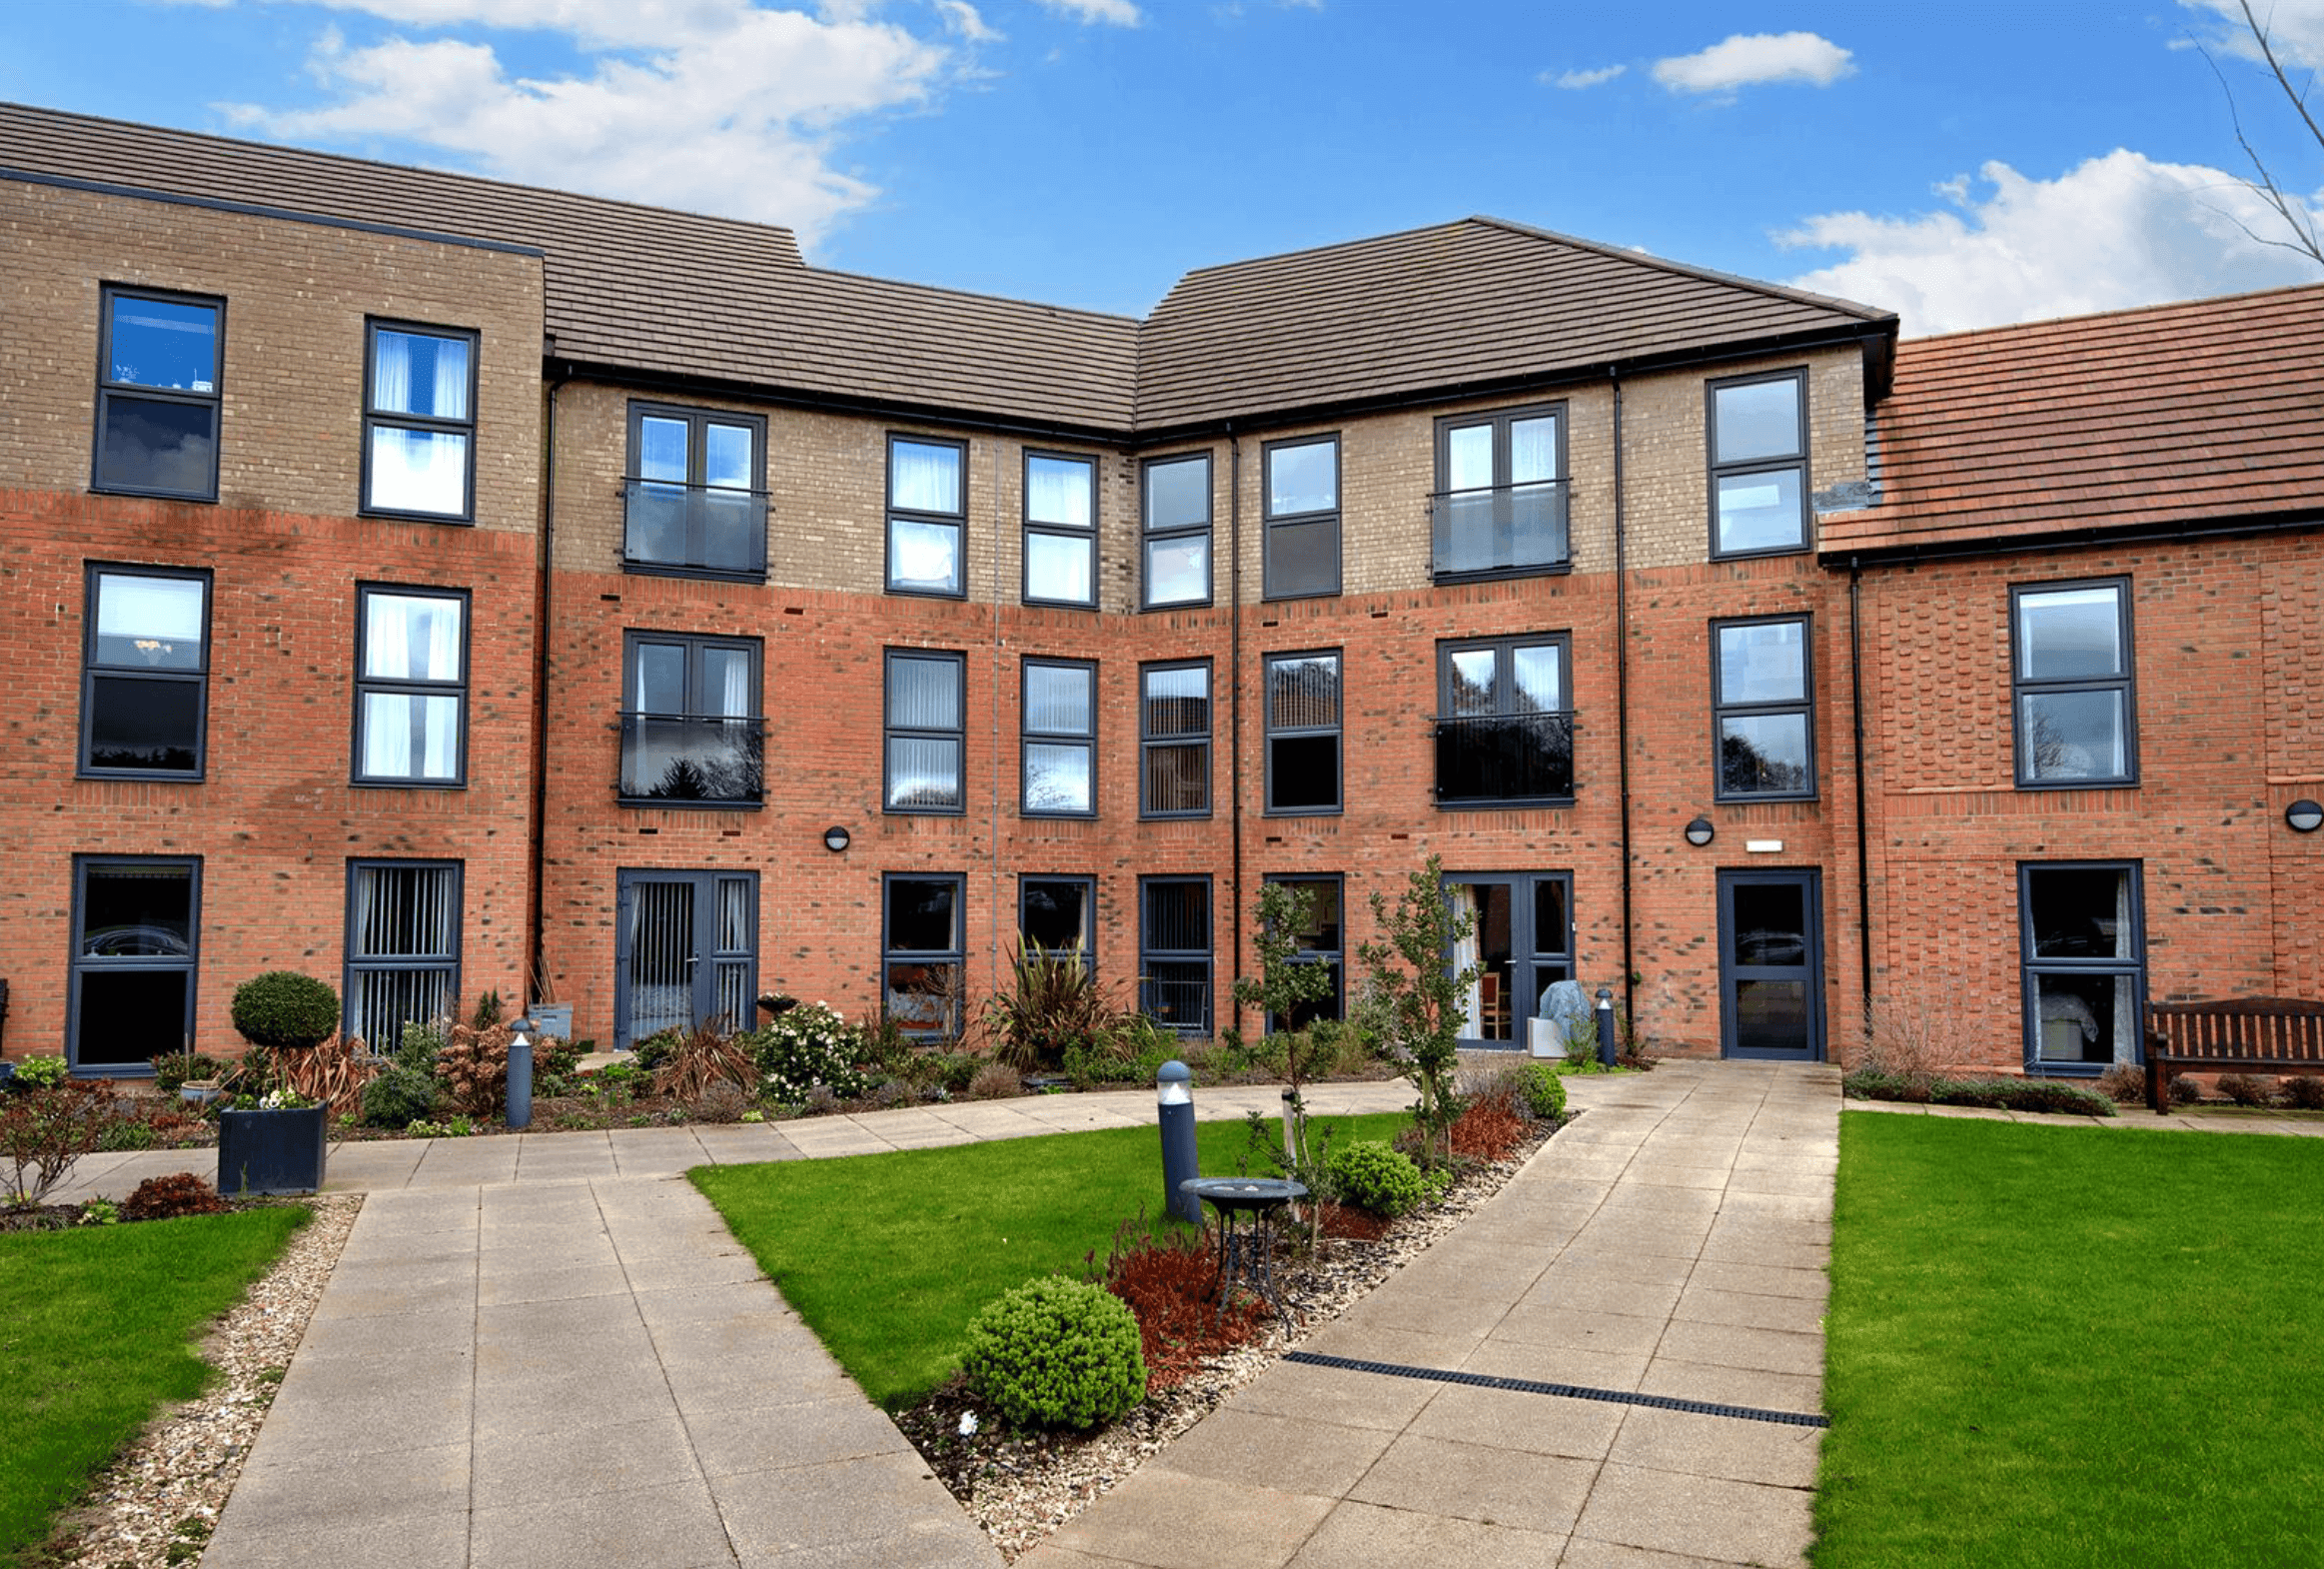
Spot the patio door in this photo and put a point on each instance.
(685, 952)
(1771, 966)
(1522, 941)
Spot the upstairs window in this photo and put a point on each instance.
(419, 422)
(1759, 465)
(1174, 739)
(1505, 729)
(410, 688)
(1175, 521)
(1059, 746)
(925, 730)
(1763, 708)
(1303, 733)
(158, 395)
(1060, 530)
(2072, 689)
(145, 673)
(927, 516)
(691, 732)
(1303, 517)
(1500, 507)
(696, 495)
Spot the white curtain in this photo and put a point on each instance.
(924, 478)
(734, 696)
(1461, 898)
(391, 373)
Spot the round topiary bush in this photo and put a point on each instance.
(1544, 1091)
(1055, 1353)
(283, 1009)
(1375, 1177)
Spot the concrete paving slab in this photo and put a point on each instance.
(1521, 1422)
(511, 1470)
(673, 1525)
(1170, 1520)
(1706, 1517)
(1470, 1481)
(1584, 1553)
(1751, 1310)
(367, 1541)
(319, 1491)
(1769, 1453)
(1744, 1386)
(767, 1513)
(1335, 1395)
(1368, 1536)
(777, 1437)
(1322, 1459)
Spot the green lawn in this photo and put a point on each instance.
(97, 1330)
(2073, 1346)
(888, 1257)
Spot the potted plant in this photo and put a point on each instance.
(271, 1139)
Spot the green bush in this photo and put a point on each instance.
(1544, 1091)
(655, 1052)
(2306, 1093)
(42, 1072)
(400, 1095)
(807, 1047)
(1055, 1353)
(283, 1009)
(2013, 1094)
(420, 1046)
(1373, 1176)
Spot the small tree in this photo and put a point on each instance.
(1414, 995)
(1284, 983)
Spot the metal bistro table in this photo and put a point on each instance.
(1246, 1251)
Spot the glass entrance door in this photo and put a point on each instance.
(1771, 964)
(1522, 941)
(685, 952)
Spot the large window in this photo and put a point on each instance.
(2070, 655)
(1500, 507)
(402, 947)
(1174, 960)
(1303, 733)
(1174, 517)
(691, 732)
(1059, 745)
(1759, 465)
(1303, 517)
(419, 422)
(1322, 941)
(1505, 727)
(1059, 915)
(1174, 739)
(1763, 709)
(145, 673)
(927, 516)
(1520, 939)
(922, 960)
(696, 497)
(1060, 530)
(2086, 965)
(136, 923)
(925, 730)
(410, 686)
(158, 395)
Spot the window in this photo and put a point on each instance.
(1303, 517)
(1059, 915)
(685, 952)
(145, 673)
(419, 422)
(1500, 507)
(927, 516)
(2086, 965)
(1060, 530)
(691, 733)
(1504, 732)
(1763, 710)
(2076, 723)
(696, 501)
(158, 395)
(1176, 520)
(1174, 741)
(1059, 747)
(402, 947)
(1174, 952)
(1320, 943)
(1759, 465)
(925, 734)
(1303, 733)
(1520, 939)
(410, 686)
(922, 960)
(136, 923)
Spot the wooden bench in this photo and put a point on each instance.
(2235, 1036)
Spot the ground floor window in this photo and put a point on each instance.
(924, 964)
(1174, 959)
(685, 952)
(136, 919)
(1320, 943)
(1059, 915)
(2083, 940)
(1522, 941)
(402, 947)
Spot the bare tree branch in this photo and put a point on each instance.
(2297, 219)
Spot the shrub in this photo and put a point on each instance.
(43, 1133)
(400, 1095)
(1170, 1283)
(421, 1046)
(808, 1047)
(2124, 1083)
(1544, 1091)
(994, 1083)
(1053, 1010)
(127, 1132)
(719, 1103)
(951, 1071)
(1055, 1352)
(702, 1058)
(284, 1009)
(1487, 1130)
(1373, 1176)
(473, 1066)
(172, 1068)
(654, 1050)
(2247, 1089)
(2304, 1091)
(2185, 1091)
(42, 1072)
(162, 1197)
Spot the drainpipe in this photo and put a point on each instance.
(537, 846)
(1855, 660)
(999, 662)
(1233, 707)
(1621, 700)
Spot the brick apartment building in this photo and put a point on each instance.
(438, 585)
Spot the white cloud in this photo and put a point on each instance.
(1580, 79)
(1756, 59)
(2294, 27)
(963, 18)
(2117, 231)
(713, 105)
(1117, 13)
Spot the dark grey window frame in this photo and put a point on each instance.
(1505, 688)
(1028, 737)
(1087, 537)
(1149, 535)
(2032, 968)
(956, 956)
(91, 669)
(891, 731)
(1501, 420)
(1149, 955)
(1088, 887)
(2020, 686)
(1528, 956)
(1271, 524)
(1772, 462)
(956, 521)
(375, 417)
(1151, 739)
(445, 963)
(633, 715)
(1337, 731)
(366, 685)
(1810, 972)
(1336, 1005)
(79, 965)
(107, 389)
(714, 968)
(695, 416)
(1721, 709)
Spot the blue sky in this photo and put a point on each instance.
(1962, 164)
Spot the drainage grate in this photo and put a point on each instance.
(1531, 1386)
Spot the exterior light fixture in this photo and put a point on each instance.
(836, 838)
(2304, 816)
(1699, 831)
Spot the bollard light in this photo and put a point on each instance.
(521, 1078)
(1605, 1027)
(1174, 1098)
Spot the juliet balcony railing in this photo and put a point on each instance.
(1505, 759)
(693, 527)
(694, 760)
(1175, 995)
(1496, 530)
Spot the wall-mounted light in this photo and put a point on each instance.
(1700, 832)
(2304, 816)
(836, 838)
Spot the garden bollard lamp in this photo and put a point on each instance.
(1605, 1027)
(1174, 1093)
(521, 1080)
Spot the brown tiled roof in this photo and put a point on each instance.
(1477, 302)
(2201, 413)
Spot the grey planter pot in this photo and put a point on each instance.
(272, 1152)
